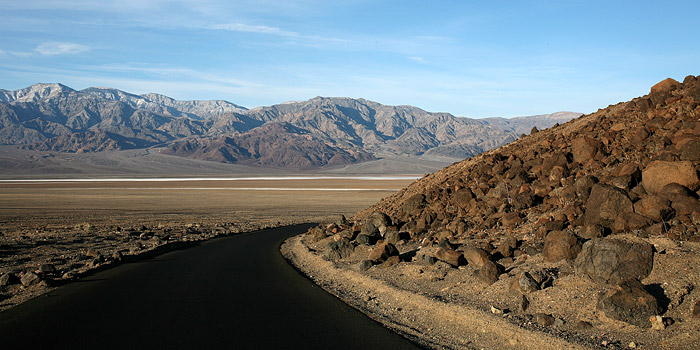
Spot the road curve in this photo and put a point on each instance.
(235, 292)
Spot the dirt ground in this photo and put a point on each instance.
(55, 232)
(445, 307)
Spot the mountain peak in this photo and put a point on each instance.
(34, 92)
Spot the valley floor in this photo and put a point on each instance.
(56, 232)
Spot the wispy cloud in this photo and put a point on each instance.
(60, 48)
(418, 59)
(239, 27)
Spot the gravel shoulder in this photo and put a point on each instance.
(421, 317)
(444, 307)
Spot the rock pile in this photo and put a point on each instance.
(568, 193)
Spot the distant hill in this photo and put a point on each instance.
(319, 132)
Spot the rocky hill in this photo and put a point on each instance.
(336, 131)
(590, 224)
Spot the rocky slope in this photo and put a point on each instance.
(590, 227)
(336, 131)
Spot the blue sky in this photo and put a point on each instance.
(468, 58)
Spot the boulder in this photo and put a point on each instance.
(690, 149)
(476, 257)
(510, 219)
(338, 250)
(524, 200)
(629, 302)
(507, 247)
(379, 220)
(660, 173)
(364, 265)
(391, 261)
(526, 283)
(685, 205)
(29, 278)
(605, 204)
(414, 204)
(341, 220)
(5, 279)
(450, 256)
(392, 235)
(462, 198)
(365, 239)
(47, 269)
(630, 222)
(317, 234)
(665, 85)
(583, 186)
(591, 231)
(488, 272)
(696, 310)
(654, 207)
(370, 229)
(585, 148)
(614, 261)
(382, 252)
(560, 245)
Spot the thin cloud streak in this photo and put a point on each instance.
(60, 48)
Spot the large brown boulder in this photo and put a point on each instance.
(585, 148)
(489, 272)
(560, 245)
(382, 252)
(462, 198)
(605, 204)
(629, 302)
(660, 173)
(379, 220)
(614, 261)
(665, 85)
(654, 207)
(450, 256)
(414, 204)
(338, 250)
(476, 257)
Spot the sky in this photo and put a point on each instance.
(469, 58)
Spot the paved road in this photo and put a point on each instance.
(236, 293)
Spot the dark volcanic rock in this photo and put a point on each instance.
(629, 302)
(655, 208)
(364, 265)
(30, 278)
(526, 283)
(661, 173)
(414, 205)
(450, 256)
(338, 250)
(382, 252)
(489, 272)
(605, 204)
(559, 245)
(585, 148)
(5, 279)
(614, 261)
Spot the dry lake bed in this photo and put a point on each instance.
(56, 230)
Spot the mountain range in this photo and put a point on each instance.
(320, 132)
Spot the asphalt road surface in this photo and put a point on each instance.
(236, 292)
